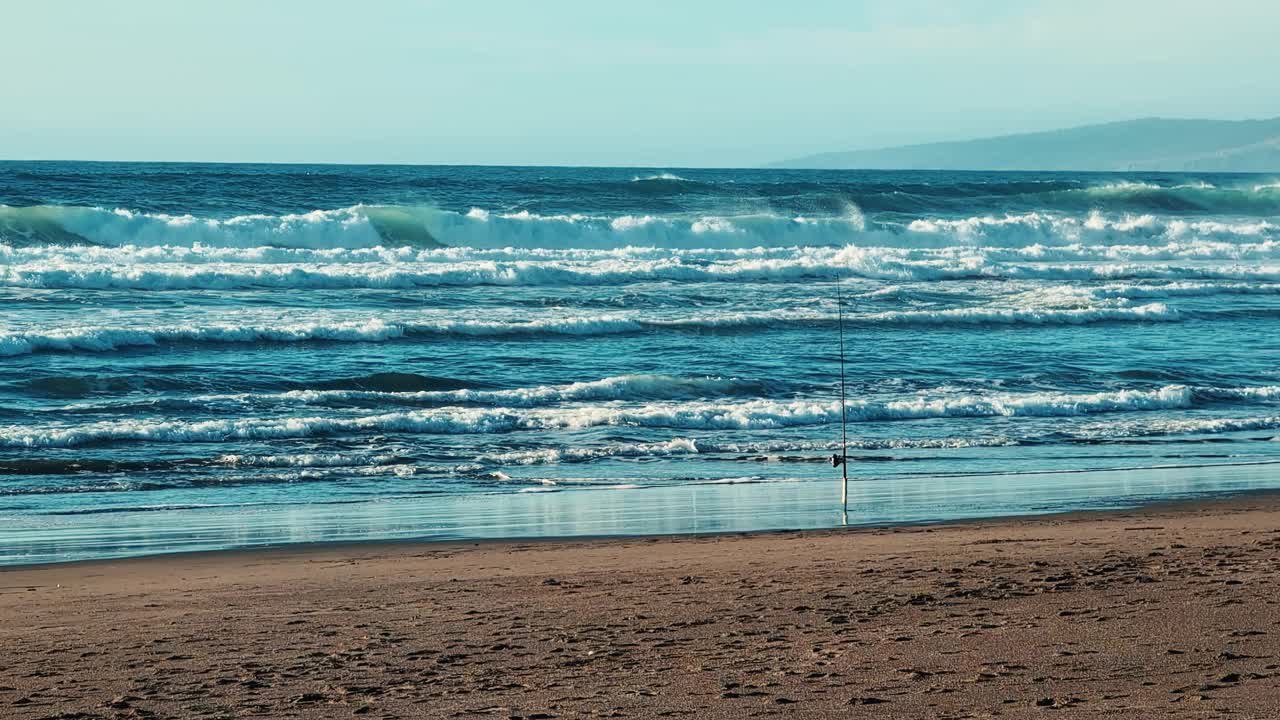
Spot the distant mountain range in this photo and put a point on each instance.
(1155, 144)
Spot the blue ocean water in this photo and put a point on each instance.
(202, 356)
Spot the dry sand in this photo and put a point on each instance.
(1164, 612)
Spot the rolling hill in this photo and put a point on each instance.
(1154, 144)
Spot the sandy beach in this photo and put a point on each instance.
(1168, 611)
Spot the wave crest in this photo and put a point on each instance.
(745, 415)
(99, 339)
(369, 226)
(206, 268)
(352, 227)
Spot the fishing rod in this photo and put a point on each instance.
(842, 460)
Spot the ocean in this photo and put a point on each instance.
(200, 356)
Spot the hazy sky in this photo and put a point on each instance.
(663, 83)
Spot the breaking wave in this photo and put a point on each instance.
(1121, 291)
(208, 268)
(746, 415)
(72, 466)
(352, 227)
(813, 450)
(98, 339)
(622, 387)
(660, 177)
(1187, 197)
(369, 226)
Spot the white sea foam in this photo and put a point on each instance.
(745, 415)
(707, 446)
(1194, 426)
(659, 176)
(1116, 291)
(1094, 228)
(1124, 186)
(1023, 405)
(304, 460)
(1260, 392)
(93, 339)
(622, 387)
(1254, 257)
(893, 266)
(253, 329)
(102, 339)
(944, 401)
(369, 226)
(744, 480)
(345, 227)
(1154, 312)
(569, 454)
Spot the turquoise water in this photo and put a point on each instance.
(211, 356)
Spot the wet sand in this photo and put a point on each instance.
(1168, 611)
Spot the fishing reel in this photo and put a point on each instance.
(838, 460)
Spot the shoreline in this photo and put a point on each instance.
(1199, 503)
(667, 510)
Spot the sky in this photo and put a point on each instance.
(557, 82)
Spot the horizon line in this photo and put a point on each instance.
(694, 168)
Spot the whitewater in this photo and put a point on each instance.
(296, 353)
